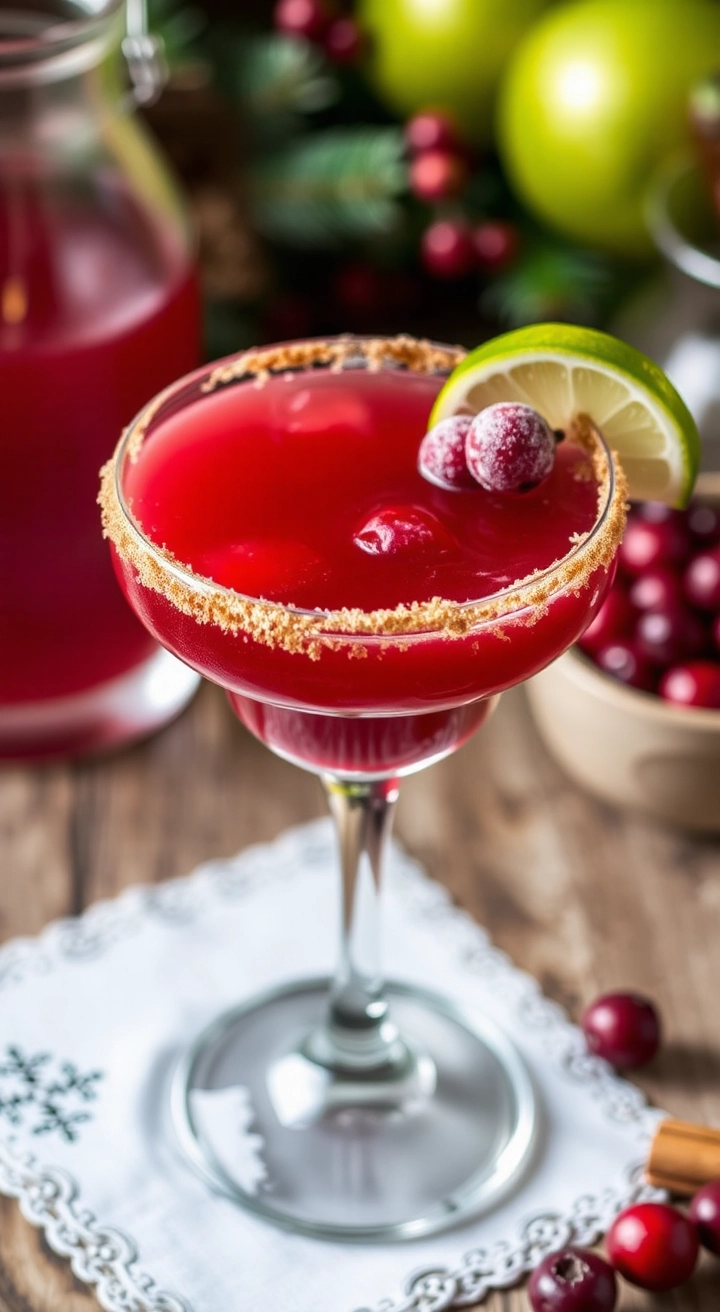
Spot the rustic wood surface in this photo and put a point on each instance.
(585, 897)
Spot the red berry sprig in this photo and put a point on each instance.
(340, 35)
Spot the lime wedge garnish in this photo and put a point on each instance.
(563, 371)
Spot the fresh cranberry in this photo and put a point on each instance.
(437, 175)
(704, 523)
(656, 512)
(401, 528)
(652, 542)
(308, 18)
(667, 637)
(705, 1212)
(441, 458)
(343, 41)
(614, 619)
(622, 660)
(446, 248)
(496, 244)
(623, 1028)
(509, 447)
(701, 580)
(694, 684)
(658, 588)
(653, 1246)
(573, 1280)
(430, 131)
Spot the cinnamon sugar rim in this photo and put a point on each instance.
(275, 624)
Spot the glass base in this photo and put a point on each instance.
(108, 715)
(350, 1154)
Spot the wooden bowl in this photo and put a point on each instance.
(628, 747)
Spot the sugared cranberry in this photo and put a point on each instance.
(437, 175)
(430, 131)
(614, 619)
(446, 248)
(701, 580)
(573, 1280)
(704, 523)
(652, 542)
(622, 660)
(441, 458)
(509, 447)
(653, 1246)
(622, 1028)
(403, 528)
(343, 41)
(496, 243)
(308, 18)
(668, 637)
(658, 588)
(705, 1213)
(694, 684)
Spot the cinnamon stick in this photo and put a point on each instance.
(683, 1157)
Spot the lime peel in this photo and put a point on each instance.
(563, 370)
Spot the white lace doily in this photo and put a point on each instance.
(95, 1011)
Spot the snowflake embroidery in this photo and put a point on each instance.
(43, 1095)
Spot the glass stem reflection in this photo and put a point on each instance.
(360, 1034)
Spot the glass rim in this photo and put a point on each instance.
(683, 251)
(349, 623)
(47, 47)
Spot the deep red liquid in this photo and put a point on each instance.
(263, 490)
(97, 312)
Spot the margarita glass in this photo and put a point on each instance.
(270, 527)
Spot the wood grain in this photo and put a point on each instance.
(585, 897)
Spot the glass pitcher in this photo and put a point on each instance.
(98, 309)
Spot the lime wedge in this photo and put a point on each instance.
(563, 371)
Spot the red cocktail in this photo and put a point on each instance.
(270, 527)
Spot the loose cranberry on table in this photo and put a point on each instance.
(621, 659)
(653, 1245)
(667, 637)
(509, 447)
(701, 580)
(694, 684)
(573, 1280)
(442, 454)
(622, 1028)
(705, 1213)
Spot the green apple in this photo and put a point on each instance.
(594, 98)
(443, 54)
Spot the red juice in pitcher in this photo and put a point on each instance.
(98, 309)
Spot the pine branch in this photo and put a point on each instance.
(279, 77)
(551, 281)
(331, 187)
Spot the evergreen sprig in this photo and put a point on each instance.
(333, 186)
(550, 281)
(277, 77)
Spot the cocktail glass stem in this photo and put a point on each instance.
(360, 1033)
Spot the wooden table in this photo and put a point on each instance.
(585, 897)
